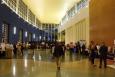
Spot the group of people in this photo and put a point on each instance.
(102, 51)
(77, 48)
(5, 49)
(8, 50)
(93, 51)
(60, 48)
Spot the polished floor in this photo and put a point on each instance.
(41, 64)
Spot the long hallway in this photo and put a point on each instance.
(42, 65)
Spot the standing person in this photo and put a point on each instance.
(77, 47)
(64, 49)
(3, 48)
(92, 49)
(97, 47)
(58, 53)
(114, 52)
(103, 55)
(83, 49)
(15, 49)
(18, 46)
(71, 47)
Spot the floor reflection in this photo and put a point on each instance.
(58, 73)
(40, 64)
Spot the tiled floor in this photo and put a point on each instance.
(42, 65)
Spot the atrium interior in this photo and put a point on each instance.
(57, 38)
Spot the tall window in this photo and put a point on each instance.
(22, 10)
(18, 6)
(38, 23)
(5, 32)
(31, 17)
(21, 35)
(71, 12)
(65, 18)
(11, 4)
(81, 4)
(30, 37)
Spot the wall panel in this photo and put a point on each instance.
(102, 20)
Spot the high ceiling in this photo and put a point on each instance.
(50, 11)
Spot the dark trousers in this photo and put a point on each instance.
(103, 59)
(71, 51)
(92, 60)
(92, 57)
(2, 53)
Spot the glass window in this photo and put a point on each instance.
(22, 10)
(6, 1)
(71, 12)
(38, 23)
(64, 19)
(5, 32)
(31, 18)
(11, 4)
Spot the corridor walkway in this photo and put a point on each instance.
(42, 65)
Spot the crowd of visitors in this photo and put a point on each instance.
(93, 51)
(58, 50)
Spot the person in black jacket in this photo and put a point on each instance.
(15, 49)
(103, 54)
(58, 53)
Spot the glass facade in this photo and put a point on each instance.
(11, 4)
(71, 12)
(5, 32)
(74, 10)
(51, 29)
(38, 23)
(19, 7)
(22, 10)
(65, 18)
(31, 17)
(81, 4)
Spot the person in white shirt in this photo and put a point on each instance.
(3, 48)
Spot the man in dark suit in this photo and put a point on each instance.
(103, 54)
(58, 53)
